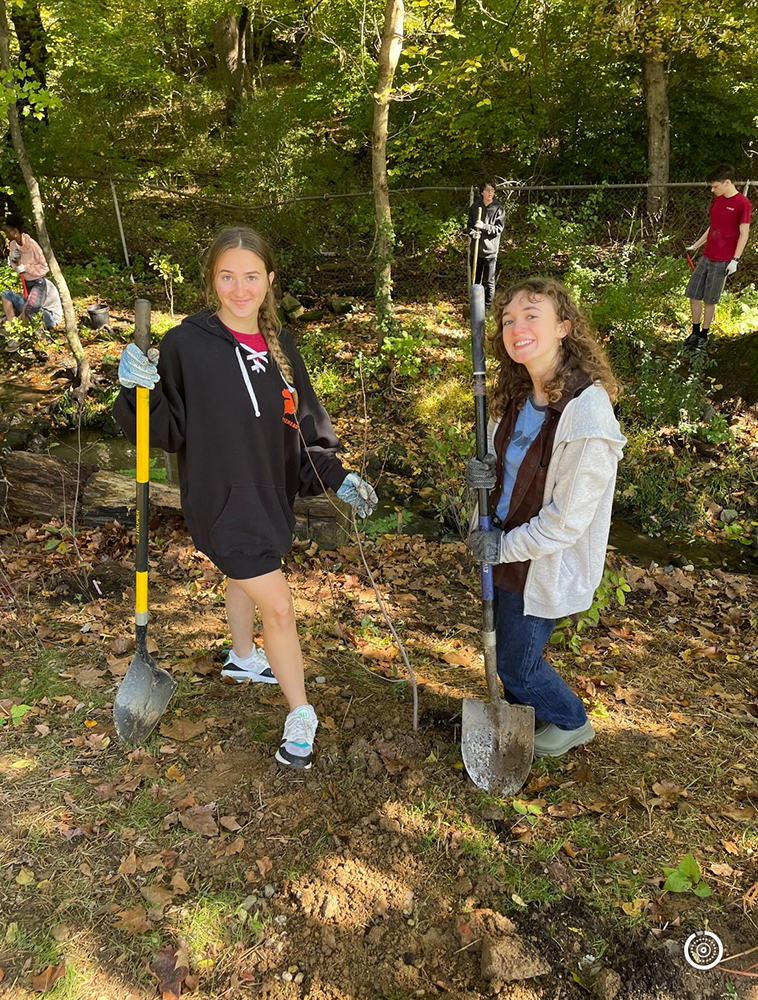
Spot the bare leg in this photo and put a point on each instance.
(708, 314)
(696, 308)
(8, 309)
(240, 613)
(271, 594)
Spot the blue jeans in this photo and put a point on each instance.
(528, 679)
(18, 302)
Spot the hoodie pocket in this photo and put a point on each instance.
(255, 520)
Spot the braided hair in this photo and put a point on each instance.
(242, 238)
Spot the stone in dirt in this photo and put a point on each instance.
(291, 306)
(473, 928)
(509, 959)
(606, 985)
(341, 306)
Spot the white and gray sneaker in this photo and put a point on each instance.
(296, 748)
(254, 667)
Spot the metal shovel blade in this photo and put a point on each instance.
(141, 699)
(497, 744)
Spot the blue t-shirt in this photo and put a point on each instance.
(528, 424)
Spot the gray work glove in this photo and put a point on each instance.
(359, 494)
(482, 475)
(485, 546)
(731, 267)
(16, 255)
(135, 369)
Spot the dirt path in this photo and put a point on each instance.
(383, 873)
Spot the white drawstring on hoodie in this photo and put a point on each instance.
(259, 361)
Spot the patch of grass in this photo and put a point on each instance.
(43, 681)
(258, 728)
(143, 814)
(449, 398)
(213, 923)
(333, 387)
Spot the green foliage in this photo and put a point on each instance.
(664, 393)
(447, 451)
(17, 714)
(171, 274)
(381, 525)
(60, 539)
(569, 631)
(331, 387)
(686, 877)
(20, 84)
(158, 473)
(715, 431)
(405, 350)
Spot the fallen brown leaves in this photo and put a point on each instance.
(45, 981)
(171, 968)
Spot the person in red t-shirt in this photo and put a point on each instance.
(724, 239)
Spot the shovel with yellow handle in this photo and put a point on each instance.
(146, 689)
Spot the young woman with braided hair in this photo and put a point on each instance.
(231, 396)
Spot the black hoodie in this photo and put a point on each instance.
(241, 458)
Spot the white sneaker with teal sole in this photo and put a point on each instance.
(296, 748)
(253, 668)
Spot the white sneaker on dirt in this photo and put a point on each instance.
(296, 748)
(254, 667)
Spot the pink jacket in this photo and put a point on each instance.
(31, 258)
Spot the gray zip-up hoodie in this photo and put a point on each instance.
(567, 540)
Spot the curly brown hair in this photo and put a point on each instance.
(580, 351)
(240, 237)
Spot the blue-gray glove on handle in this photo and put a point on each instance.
(359, 494)
(485, 546)
(482, 475)
(135, 369)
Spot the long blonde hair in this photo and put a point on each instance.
(242, 238)
(579, 351)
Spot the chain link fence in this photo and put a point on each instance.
(324, 244)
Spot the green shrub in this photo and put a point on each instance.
(569, 631)
(447, 451)
(405, 350)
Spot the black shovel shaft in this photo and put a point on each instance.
(476, 300)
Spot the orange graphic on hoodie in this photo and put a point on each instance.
(289, 408)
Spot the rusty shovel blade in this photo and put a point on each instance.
(141, 699)
(497, 744)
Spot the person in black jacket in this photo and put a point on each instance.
(231, 396)
(486, 232)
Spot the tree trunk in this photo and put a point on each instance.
(389, 54)
(242, 34)
(32, 40)
(42, 488)
(72, 333)
(226, 45)
(658, 131)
